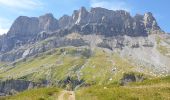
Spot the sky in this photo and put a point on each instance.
(11, 9)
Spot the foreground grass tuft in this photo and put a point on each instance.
(36, 94)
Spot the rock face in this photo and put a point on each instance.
(31, 25)
(48, 23)
(110, 23)
(98, 21)
(24, 26)
(150, 22)
(10, 87)
(25, 29)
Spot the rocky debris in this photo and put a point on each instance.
(32, 50)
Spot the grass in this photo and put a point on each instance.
(147, 90)
(99, 68)
(36, 94)
(123, 93)
(162, 49)
(55, 65)
(63, 62)
(151, 89)
(163, 80)
(30, 66)
(96, 69)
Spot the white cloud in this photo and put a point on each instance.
(16, 6)
(3, 31)
(4, 25)
(21, 4)
(110, 4)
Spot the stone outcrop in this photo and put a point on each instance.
(110, 23)
(11, 87)
(32, 25)
(32, 50)
(24, 26)
(97, 20)
(48, 23)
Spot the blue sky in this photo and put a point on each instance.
(11, 9)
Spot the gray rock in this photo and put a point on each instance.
(24, 26)
(26, 31)
(10, 87)
(110, 23)
(150, 22)
(48, 23)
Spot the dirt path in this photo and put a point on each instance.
(66, 95)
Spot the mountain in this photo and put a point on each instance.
(95, 47)
(99, 21)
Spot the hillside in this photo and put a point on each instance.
(111, 52)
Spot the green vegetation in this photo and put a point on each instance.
(98, 69)
(105, 68)
(163, 80)
(149, 90)
(36, 94)
(162, 49)
(52, 65)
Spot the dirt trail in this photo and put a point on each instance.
(66, 95)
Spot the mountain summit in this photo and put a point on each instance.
(98, 20)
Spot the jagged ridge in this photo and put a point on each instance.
(98, 21)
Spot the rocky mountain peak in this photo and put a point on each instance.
(150, 22)
(65, 21)
(82, 16)
(24, 26)
(48, 15)
(32, 25)
(75, 15)
(98, 20)
(98, 9)
(47, 22)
